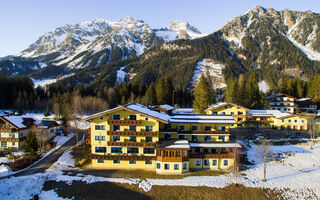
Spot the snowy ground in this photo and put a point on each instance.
(295, 167)
(59, 140)
(45, 82)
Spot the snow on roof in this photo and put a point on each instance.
(278, 95)
(166, 106)
(180, 144)
(216, 119)
(219, 104)
(17, 120)
(183, 111)
(146, 110)
(214, 145)
(269, 113)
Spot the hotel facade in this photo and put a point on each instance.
(155, 138)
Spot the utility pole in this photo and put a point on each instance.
(173, 97)
(265, 160)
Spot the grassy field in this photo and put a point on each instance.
(110, 191)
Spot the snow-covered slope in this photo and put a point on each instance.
(214, 69)
(263, 86)
(100, 41)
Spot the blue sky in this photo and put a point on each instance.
(23, 21)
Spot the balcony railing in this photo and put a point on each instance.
(121, 157)
(124, 122)
(195, 131)
(132, 133)
(215, 155)
(9, 139)
(132, 144)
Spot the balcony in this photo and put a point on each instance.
(168, 130)
(172, 155)
(124, 122)
(7, 139)
(121, 157)
(132, 133)
(205, 132)
(260, 121)
(215, 155)
(132, 144)
(239, 116)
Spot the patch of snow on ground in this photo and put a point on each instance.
(121, 74)
(4, 170)
(263, 86)
(4, 160)
(215, 71)
(167, 35)
(65, 162)
(50, 195)
(45, 82)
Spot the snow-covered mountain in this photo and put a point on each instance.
(96, 42)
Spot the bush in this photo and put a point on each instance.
(23, 162)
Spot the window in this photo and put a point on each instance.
(116, 161)
(147, 119)
(230, 106)
(181, 128)
(115, 138)
(132, 162)
(232, 113)
(132, 127)
(166, 166)
(194, 128)
(198, 162)
(214, 162)
(116, 149)
(116, 116)
(101, 118)
(282, 120)
(132, 138)
(100, 161)
(289, 120)
(221, 128)
(100, 149)
(99, 138)
(207, 128)
(99, 127)
(215, 113)
(225, 107)
(181, 137)
(176, 166)
(206, 162)
(295, 121)
(148, 150)
(240, 119)
(185, 166)
(51, 130)
(240, 113)
(132, 150)
(133, 117)
(302, 121)
(194, 138)
(207, 138)
(116, 127)
(221, 137)
(158, 165)
(148, 139)
(149, 128)
(223, 113)
(225, 162)
(148, 162)
(13, 143)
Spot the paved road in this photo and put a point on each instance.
(44, 164)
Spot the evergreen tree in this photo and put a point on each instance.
(123, 100)
(30, 143)
(47, 112)
(164, 89)
(203, 96)
(150, 97)
(252, 92)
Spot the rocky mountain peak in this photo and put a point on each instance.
(182, 26)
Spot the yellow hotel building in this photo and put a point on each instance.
(134, 136)
(259, 118)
